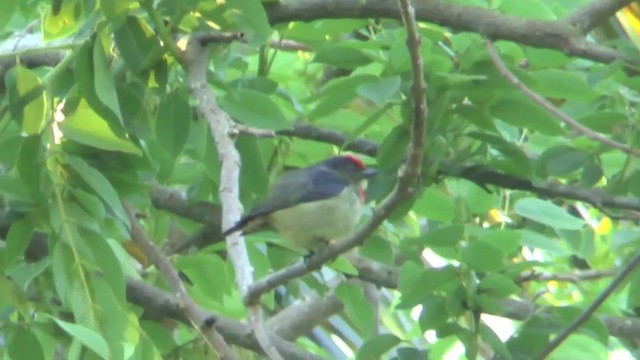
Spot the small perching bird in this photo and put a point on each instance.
(313, 205)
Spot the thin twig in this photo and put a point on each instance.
(407, 176)
(568, 120)
(591, 309)
(196, 64)
(163, 31)
(214, 339)
(574, 277)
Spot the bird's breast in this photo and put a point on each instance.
(308, 224)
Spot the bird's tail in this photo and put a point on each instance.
(247, 225)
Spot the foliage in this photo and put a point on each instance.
(507, 193)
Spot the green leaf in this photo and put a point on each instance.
(160, 335)
(507, 240)
(378, 249)
(63, 270)
(30, 164)
(13, 188)
(62, 23)
(96, 85)
(563, 84)
(417, 287)
(607, 122)
(547, 213)
(538, 241)
(594, 327)
(138, 44)
(498, 285)
(633, 293)
(250, 17)
(100, 185)
(114, 11)
(208, 274)
(494, 341)
(591, 174)
(381, 91)
(434, 205)
(9, 148)
(34, 112)
(254, 178)
(560, 160)
(434, 313)
(91, 203)
(357, 307)
(174, 121)
(25, 345)
(344, 266)
(105, 258)
(87, 127)
(18, 239)
(522, 112)
(513, 160)
(377, 346)
(341, 57)
(481, 256)
(88, 337)
(449, 235)
(254, 109)
(337, 93)
(388, 155)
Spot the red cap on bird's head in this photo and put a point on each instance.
(350, 165)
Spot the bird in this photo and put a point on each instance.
(314, 205)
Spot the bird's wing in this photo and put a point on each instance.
(294, 188)
(290, 189)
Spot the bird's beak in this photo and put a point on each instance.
(369, 173)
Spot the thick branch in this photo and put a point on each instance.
(159, 304)
(302, 316)
(481, 175)
(557, 35)
(220, 124)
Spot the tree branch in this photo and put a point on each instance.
(158, 304)
(566, 119)
(215, 340)
(558, 35)
(220, 124)
(574, 277)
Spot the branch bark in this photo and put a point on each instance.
(220, 124)
(159, 304)
(562, 35)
